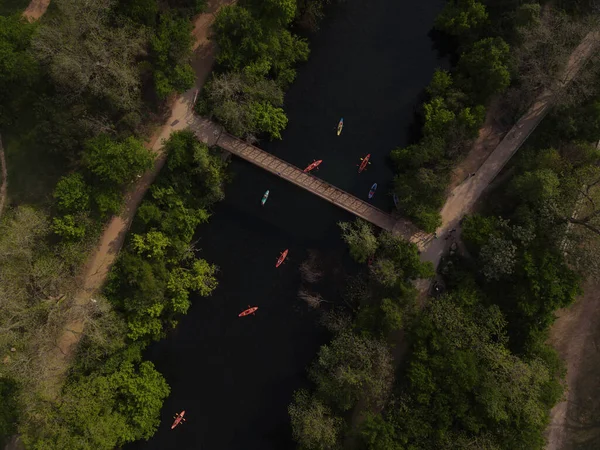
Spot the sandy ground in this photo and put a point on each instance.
(111, 241)
(575, 422)
(490, 135)
(36, 9)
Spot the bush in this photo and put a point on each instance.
(72, 194)
(117, 162)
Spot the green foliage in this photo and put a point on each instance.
(314, 427)
(72, 194)
(359, 237)
(143, 12)
(170, 51)
(246, 105)
(437, 117)
(440, 83)
(152, 245)
(267, 118)
(88, 59)
(108, 200)
(462, 379)
(245, 39)
(105, 410)
(9, 409)
(379, 434)
(18, 67)
(67, 228)
(352, 367)
(461, 16)
(484, 68)
(405, 257)
(257, 54)
(276, 13)
(117, 162)
(154, 276)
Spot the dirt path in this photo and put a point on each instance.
(111, 240)
(575, 422)
(36, 9)
(464, 196)
(4, 171)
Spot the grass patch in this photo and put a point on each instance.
(10, 7)
(32, 170)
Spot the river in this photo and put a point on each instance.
(235, 376)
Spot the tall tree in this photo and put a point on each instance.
(88, 58)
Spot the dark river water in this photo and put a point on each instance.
(235, 376)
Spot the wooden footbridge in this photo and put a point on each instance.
(213, 134)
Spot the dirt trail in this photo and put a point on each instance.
(36, 9)
(113, 236)
(463, 197)
(4, 185)
(575, 422)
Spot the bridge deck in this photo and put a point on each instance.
(309, 182)
(213, 134)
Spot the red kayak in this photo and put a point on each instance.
(247, 312)
(282, 258)
(313, 166)
(363, 164)
(178, 419)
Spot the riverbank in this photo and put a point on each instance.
(235, 376)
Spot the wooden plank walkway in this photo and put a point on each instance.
(213, 134)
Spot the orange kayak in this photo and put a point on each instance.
(282, 258)
(250, 310)
(178, 419)
(313, 166)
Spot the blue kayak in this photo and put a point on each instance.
(395, 197)
(372, 191)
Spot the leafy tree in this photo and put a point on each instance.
(392, 316)
(463, 380)
(170, 52)
(498, 257)
(360, 239)
(239, 37)
(314, 427)
(267, 118)
(143, 12)
(275, 13)
(461, 16)
(245, 105)
(437, 117)
(352, 367)
(18, 67)
(67, 228)
(440, 84)
(477, 229)
(9, 409)
(153, 244)
(429, 150)
(72, 194)
(384, 271)
(377, 433)
(104, 410)
(86, 57)
(537, 186)
(405, 257)
(200, 278)
(108, 199)
(117, 162)
(483, 70)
